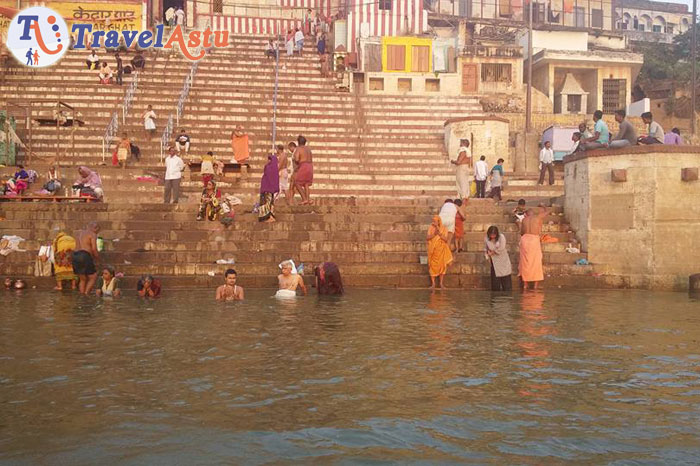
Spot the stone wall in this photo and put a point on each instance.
(488, 136)
(636, 214)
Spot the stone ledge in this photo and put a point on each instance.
(476, 118)
(650, 149)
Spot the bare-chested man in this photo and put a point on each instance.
(304, 173)
(229, 291)
(531, 248)
(288, 281)
(85, 257)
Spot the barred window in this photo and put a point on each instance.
(495, 73)
(218, 6)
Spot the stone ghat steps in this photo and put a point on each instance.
(286, 250)
(147, 192)
(378, 193)
(258, 239)
(324, 240)
(555, 277)
(343, 206)
(325, 173)
(270, 269)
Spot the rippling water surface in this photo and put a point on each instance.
(398, 376)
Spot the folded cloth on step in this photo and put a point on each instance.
(10, 243)
(285, 294)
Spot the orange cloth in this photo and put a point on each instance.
(239, 144)
(530, 267)
(548, 239)
(439, 254)
(459, 226)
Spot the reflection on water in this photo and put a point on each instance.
(594, 376)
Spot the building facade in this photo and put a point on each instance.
(644, 20)
(580, 72)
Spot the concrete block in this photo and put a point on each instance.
(618, 175)
(689, 174)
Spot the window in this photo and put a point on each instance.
(420, 58)
(432, 85)
(385, 4)
(670, 28)
(580, 16)
(573, 104)
(505, 9)
(596, 18)
(376, 84)
(218, 6)
(405, 84)
(614, 94)
(538, 13)
(640, 28)
(656, 28)
(395, 57)
(495, 73)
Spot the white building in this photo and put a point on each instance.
(644, 20)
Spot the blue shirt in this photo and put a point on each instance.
(601, 128)
(497, 175)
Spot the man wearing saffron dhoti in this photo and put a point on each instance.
(530, 267)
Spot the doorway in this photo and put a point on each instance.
(469, 85)
(167, 4)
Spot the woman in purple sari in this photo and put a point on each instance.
(269, 186)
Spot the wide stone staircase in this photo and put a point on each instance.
(375, 245)
(380, 173)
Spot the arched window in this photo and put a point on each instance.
(685, 25)
(659, 24)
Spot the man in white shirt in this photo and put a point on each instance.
(174, 166)
(180, 17)
(299, 40)
(481, 172)
(547, 163)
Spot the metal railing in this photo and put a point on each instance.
(179, 109)
(167, 133)
(110, 133)
(113, 126)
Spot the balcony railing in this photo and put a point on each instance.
(507, 51)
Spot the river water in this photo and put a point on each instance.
(607, 377)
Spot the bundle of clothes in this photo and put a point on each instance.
(18, 184)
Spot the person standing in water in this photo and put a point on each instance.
(530, 267)
(85, 256)
(230, 291)
(289, 281)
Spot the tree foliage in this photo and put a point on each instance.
(668, 61)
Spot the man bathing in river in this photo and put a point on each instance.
(229, 291)
(531, 248)
(289, 281)
(85, 256)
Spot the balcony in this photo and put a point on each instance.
(507, 51)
